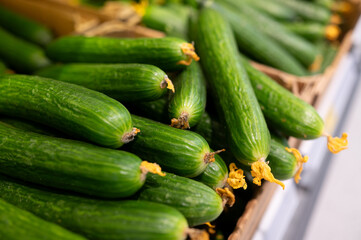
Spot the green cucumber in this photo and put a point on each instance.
(166, 53)
(25, 28)
(247, 130)
(196, 201)
(72, 109)
(204, 127)
(295, 118)
(20, 55)
(3, 67)
(16, 223)
(258, 45)
(184, 153)
(215, 175)
(124, 82)
(310, 31)
(29, 126)
(97, 219)
(300, 48)
(69, 164)
(189, 102)
(273, 9)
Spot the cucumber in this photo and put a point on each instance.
(69, 164)
(177, 151)
(265, 50)
(20, 55)
(16, 223)
(273, 9)
(97, 219)
(215, 175)
(167, 53)
(25, 28)
(3, 67)
(189, 102)
(72, 109)
(196, 201)
(300, 49)
(165, 19)
(124, 82)
(204, 127)
(30, 126)
(295, 118)
(310, 31)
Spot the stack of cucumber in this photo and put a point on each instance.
(103, 145)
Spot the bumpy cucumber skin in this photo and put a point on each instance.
(97, 219)
(265, 50)
(73, 109)
(286, 112)
(215, 175)
(190, 95)
(248, 135)
(20, 55)
(164, 53)
(124, 82)
(196, 201)
(16, 223)
(25, 28)
(69, 164)
(282, 163)
(177, 151)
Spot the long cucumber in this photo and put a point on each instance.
(166, 53)
(75, 110)
(189, 101)
(124, 82)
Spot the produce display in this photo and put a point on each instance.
(105, 137)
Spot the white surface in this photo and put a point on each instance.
(337, 213)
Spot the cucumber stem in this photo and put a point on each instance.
(181, 122)
(335, 144)
(260, 170)
(146, 167)
(167, 83)
(189, 51)
(300, 161)
(197, 234)
(227, 196)
(236, 178)
(128, 137)
(209, 157)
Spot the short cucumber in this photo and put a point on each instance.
(73, 109)
(188, 103)
(20, 55)
(69, 164)
(97, 219)
(25, 28)
(124, 82)
(16, 223)
(184, 153)
(256, 44)
(283, 110)
(248, 134)
(165, 53)
(215, 175)
(196, 201)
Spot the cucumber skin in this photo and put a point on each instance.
(3, 67)
(16, 223)
(25, 28)
(190, 95)
(248, 38)
(310, 31)
(69, 164)
(97, 219)
(273, 9)
(20, 55)
(164, 53)
(177, 151)
(215, 175)
(72, 109)
(248, 136)
(286, 112)
(124, 82)
(196, 201)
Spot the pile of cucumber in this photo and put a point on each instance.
(114, 139)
